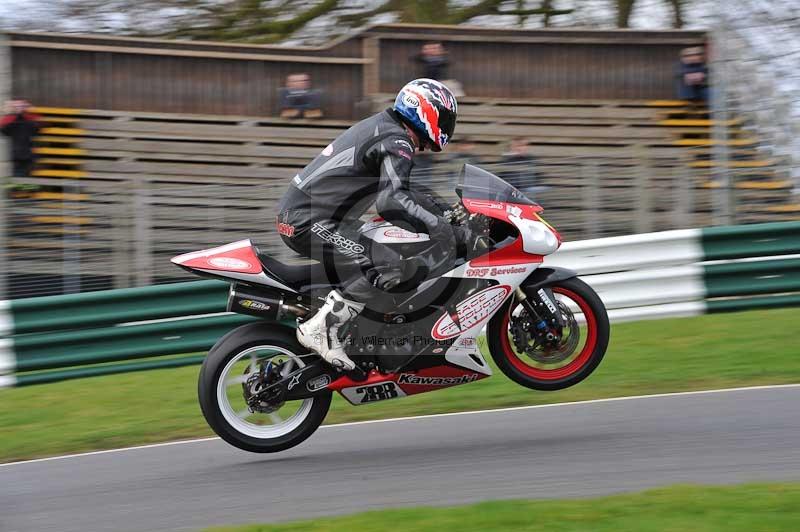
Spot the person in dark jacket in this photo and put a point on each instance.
(433, 61)
(21, 126)
(318, 216)
(298, 99)
(692, 74)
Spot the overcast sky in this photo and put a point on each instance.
(16, 9)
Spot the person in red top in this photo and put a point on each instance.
(20, 125)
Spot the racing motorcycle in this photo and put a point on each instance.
(545, 329)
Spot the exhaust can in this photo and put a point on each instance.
(262, 305)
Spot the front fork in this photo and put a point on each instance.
(547, 321)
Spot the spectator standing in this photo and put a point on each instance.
(298, 99)
(692, 74)
(433, 61)
(519, 166)
(21, 126)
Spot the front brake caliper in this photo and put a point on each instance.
(520, 327)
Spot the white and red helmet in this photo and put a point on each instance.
(429, 108)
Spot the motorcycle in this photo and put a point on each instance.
(545, 329)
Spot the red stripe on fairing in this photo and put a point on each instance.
(346, 382)
(514, 252)
(429, 115)
(439, 371)
(499, 209)
(506, 256)
(243, 256)
(410, 389)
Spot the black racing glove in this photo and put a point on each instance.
(465, 239)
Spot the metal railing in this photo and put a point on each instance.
(100, 235)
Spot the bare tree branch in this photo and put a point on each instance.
(483, 7)
(624, 11)
(269, 21)
(677, 12)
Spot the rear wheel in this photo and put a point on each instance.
(522, 352)
(236, 369)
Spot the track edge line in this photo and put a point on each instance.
(423, 416)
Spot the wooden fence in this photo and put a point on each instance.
(131, 74)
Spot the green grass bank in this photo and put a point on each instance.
(712, 351)
(745, 508)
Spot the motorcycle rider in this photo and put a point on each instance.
(319, 214)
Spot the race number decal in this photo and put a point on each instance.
(471, 312)
(370, 393)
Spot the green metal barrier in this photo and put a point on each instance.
(112, 344)
(759, 274)
(747, 241)
(753, 303)
(41, 357)
(45, 377)
(752, 278)
(49, 339)
(108, 307)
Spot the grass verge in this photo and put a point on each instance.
(763, 507)
(713, 351)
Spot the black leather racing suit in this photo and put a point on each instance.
(319, 215)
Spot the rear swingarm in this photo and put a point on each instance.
(302, 383)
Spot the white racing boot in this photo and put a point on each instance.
(321, 332)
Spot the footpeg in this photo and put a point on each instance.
(357, 374)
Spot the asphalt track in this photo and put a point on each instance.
(571, 450)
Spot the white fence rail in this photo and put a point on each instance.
(645, 276)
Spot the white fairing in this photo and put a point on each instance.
(358, 395)
(236, 260)
(465, 352)
(233, 246)
(512, 274)
(537, 238)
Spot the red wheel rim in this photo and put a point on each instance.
(568, 370)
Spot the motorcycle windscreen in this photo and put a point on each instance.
(476, 183)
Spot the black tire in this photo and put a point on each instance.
(236, 341)
(509, 363)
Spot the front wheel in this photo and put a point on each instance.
(230, 378)
(518, 345)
